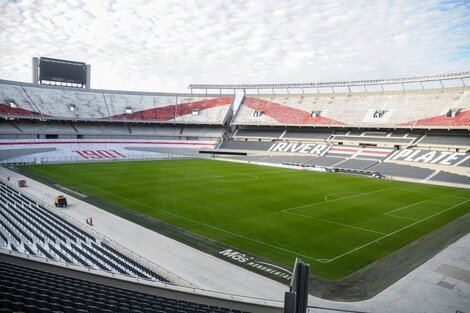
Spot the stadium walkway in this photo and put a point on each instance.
(442, 284)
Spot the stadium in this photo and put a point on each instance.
(234, 156)
(203, 201)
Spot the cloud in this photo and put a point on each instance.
(165, 45)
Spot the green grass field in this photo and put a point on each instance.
(337, 223)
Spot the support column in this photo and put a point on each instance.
(35, 79)
(88, 76)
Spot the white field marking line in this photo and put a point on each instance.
(397, 231)
(336, 223)
(348, 197)
(404, 207)
(429, 193)
(209, 226)
(404, 217)
(339, 193)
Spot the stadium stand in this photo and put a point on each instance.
(446, 140)
(30, 228)
(368, 139)
(461, 119)
(398, 170)
(258, 133)
(73, 104)
(325, 161)
(465, 163)
(386, 120)
(246, 145)
(244, 158)
(359, 151)
(34, 129)
(451, 178)
(7, 110)
(356, 164)
(429, 162)
(447, 158)
(423, 108)
(309, 135)
(28, 286)
(14, 153)
(286, 159)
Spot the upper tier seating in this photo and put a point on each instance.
(6, 110)
(426, 108)
(72, 103)
(30, 228)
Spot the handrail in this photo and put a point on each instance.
(62, 160)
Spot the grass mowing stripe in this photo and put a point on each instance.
(338, 199)
(406, 206)
(336, 223)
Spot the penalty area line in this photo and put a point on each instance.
(429, 193)
(404, 207)
(395, 232)
(338, 199)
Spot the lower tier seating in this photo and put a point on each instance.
(390, 169)
(26, 289)
(451, 178)
(30, 228)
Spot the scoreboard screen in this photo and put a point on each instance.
(62, 71)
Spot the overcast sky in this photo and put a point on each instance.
(165, 45)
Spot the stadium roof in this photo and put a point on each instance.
(415, 79)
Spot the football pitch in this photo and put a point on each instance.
(337, 223)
